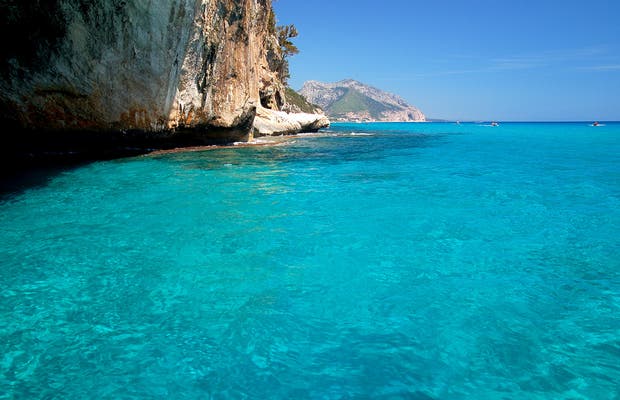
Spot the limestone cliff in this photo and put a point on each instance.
(274, 123)
(159, 71)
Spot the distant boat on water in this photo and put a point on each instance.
(494, 123)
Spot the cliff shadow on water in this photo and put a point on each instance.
(14, 182)
(30, 157)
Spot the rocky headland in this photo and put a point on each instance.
(110, 77)
(350, 100)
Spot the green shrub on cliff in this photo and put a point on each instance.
(278, 58)
(285, 34)
(287, 48)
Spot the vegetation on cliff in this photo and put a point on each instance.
(298, 103)
(285, 47)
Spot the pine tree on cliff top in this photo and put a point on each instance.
(287, 48)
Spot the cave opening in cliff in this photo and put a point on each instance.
(264, 101)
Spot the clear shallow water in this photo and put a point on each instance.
(424, 261)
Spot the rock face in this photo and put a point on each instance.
(296, 115)
(163, 72)
(273, 123)
(350, 100)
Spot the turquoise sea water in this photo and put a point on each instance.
(416, 261)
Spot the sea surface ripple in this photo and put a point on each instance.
(417, 261)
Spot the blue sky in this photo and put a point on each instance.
(514, 60)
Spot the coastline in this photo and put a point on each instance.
(20, 173)
(40, 148)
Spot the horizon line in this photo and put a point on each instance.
(441, 120)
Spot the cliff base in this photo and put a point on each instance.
(273, 123)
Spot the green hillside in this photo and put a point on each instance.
(294, 98)
(354, 101)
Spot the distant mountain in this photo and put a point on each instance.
(350, 100)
